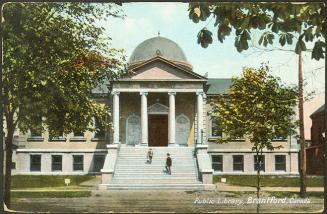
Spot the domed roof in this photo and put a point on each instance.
(158, 46)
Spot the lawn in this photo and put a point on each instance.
(50, 194)
(269, 181)
(40, 181)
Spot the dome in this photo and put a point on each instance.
(158, 46)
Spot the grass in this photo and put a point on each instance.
(270, 181)
(50, 194)
(41, 181)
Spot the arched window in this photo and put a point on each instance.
(182, 129)
(133, 130)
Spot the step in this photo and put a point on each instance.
(154, 161)
(158, 157)
(154, 155)
(156, 183)
(154, 175)
(182, 170)
(155, 179)
(133, 172)
(153, 165)
(156, 187)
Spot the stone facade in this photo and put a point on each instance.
(156, 86)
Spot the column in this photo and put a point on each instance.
(116, 116)
(144, 118)
(171, 124)
(200, 116)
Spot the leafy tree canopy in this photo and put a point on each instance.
(302, 22)
(259, 106)
(54, 54)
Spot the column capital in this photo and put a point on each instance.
(115, 92)
(144, 93)
(172, 93)
(200, 93)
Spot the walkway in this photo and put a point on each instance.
(160, 201)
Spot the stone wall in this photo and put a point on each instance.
(22, 160)
(291, 160)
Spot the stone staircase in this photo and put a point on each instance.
(133, 172)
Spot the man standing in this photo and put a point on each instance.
(168, 163)
(150, 155)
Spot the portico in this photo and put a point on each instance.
(150, 117)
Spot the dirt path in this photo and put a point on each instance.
(160, 201)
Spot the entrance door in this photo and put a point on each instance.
(158, 130)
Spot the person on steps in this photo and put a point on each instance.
(168, 163)
(150, 155)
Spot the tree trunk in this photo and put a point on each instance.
(258, 162)
(303, 172)
(8, 149)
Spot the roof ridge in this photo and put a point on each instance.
(320, 109)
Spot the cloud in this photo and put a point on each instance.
(167, 11)
(129, 32)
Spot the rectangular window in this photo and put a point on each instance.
(35, 163)
(36, 129)
(238, 163)
(262, 159)
(280, 162)
(216, 130)
(13, 165)
(100, 131)
(217, 162)
(56, 163)
(278, 137)
(78, 162)
(79, 134)
(98, 163)
(56, 136)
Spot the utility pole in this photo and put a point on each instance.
(303, 171)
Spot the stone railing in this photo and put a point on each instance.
(109, 165)
(204, 166)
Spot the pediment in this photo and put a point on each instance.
(158, 108)
(161, 69)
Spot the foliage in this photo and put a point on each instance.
(54, 54)
(257, 106)
(302, 22)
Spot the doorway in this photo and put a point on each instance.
(158, 130)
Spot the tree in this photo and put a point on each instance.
(257, 106)
(54, 54)
(303, 22)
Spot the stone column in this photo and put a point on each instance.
(171, 124)
(144, 118)
(116, 116)
(200, 116)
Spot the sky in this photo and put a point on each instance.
(219, 60)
